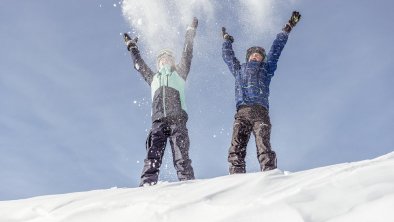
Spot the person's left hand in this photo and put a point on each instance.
(194, 23)
(295, 17)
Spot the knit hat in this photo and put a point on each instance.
(164, 53)
(256, 49)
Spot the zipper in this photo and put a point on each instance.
(164, 96)
(164, 99)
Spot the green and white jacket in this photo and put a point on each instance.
(168, 84)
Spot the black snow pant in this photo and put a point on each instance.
(175, 129)
(251, 119)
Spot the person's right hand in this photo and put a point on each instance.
(129, 42)
(226, 36)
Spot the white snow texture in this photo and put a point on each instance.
(162, 24)
(361, 191)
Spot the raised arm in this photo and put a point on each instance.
(280, 42)
(183, 67)
(139, 63)
(228, 53)
(275, 51)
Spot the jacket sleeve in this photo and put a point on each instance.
(183, 67)
(229, 57)
(141, 66)
(275, 51)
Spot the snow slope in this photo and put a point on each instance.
(360, 191)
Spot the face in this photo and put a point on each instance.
(166, 60)
(257, 57)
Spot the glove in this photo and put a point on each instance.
(130, 43)
(194, 23)
(226, 36)
(295, 18)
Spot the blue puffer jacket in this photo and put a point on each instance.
(252, 79)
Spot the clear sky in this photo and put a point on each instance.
(74, 114)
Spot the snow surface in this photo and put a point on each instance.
(360, 191)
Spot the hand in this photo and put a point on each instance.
(226, 36)
(295, 18)
(194, 23)
(130, 43)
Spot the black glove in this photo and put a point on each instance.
(194, 23)
(226, 36)
(295, 18)
(130, 43)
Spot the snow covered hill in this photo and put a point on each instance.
(360, 191)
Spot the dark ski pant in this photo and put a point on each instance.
(177, 133)
(250, 119)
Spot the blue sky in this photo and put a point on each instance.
(74, 114)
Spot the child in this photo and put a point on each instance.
(169, 115)
(252, 80)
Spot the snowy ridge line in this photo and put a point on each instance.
(358, 191)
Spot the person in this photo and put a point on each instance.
(252, 80)
(169, 114)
